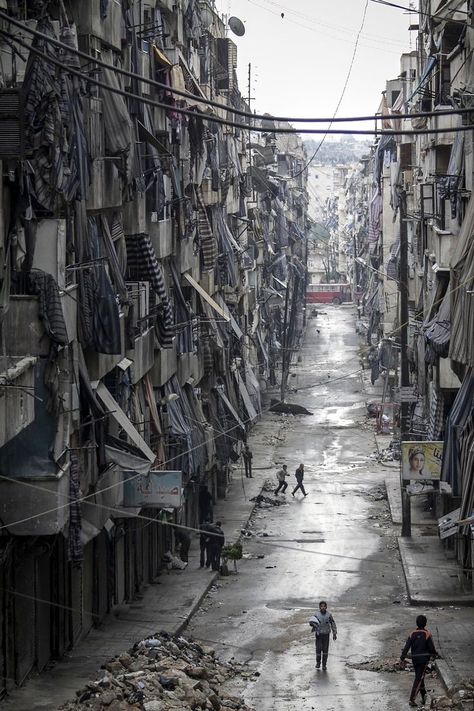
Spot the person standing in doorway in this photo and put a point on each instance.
(323, 625)
(247, 457)
(421, 644)
(282, 483)
(216, 541)
(299, 474)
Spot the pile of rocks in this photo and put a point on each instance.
(265, 502)
(460, 697)
(163, 674)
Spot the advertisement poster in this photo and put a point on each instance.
(158, 489)
(421, 461)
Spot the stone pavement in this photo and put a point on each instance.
(433, 580)
(166, 605)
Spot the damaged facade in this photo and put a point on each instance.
(149, 258)
(430, 178)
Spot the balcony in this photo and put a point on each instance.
(99, 364)
(142, 354)
(17, 405)
(445, 123)
(161, 235)
(105, 190)
(189, 366)
(164, 366)
(86, 15)
(26, 333)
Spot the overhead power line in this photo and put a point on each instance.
(420, 12)
(197, 97)
(234, 124)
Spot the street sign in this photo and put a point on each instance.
(157, 489)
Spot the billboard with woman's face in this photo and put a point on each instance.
(421, 460)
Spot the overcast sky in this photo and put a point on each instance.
(300, 61)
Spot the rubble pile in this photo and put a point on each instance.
(389, 454)
(460, 697)
(163, 674)
(377, 665)
(378, 493)
(265, 502)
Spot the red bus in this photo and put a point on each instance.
(328, 293)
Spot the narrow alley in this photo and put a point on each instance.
(336, 544)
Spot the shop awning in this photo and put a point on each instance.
(252, 413)
(122, 420)
(206, 296)
(161, 57)
(229, 406)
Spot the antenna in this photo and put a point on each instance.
(237, 26)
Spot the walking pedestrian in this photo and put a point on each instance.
(421, 644)
(299, 474)
(247, 457)
(204, 546)
(217, 540)
(322, 623)
(282, 483)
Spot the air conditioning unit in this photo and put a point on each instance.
(12, 136)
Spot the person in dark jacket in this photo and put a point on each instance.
(217, 540)
(420, 643)
(184, 539)
(204, 545)
(206, 503)
(299, 474)
(247, 457)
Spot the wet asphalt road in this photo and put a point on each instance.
(335, 544)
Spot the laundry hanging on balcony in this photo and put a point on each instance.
(142, 264)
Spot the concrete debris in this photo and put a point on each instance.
(389, 454)
(265, 502)
(377, 493)
(163, 674)
(460, 696)
(288, 408)
(377, 665)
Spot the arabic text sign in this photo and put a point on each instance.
(421, 461)
(158, 489)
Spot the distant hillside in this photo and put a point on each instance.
(347, 150)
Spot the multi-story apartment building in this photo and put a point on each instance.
(143, 275)
(430, 176)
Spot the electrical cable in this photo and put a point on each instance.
(411, 11)
(197, 97)
(376, 45)
(259, 541)
(317, 21)
(349, 71)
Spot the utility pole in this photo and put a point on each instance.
(404, 368)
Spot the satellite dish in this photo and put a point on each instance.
(237, 26)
